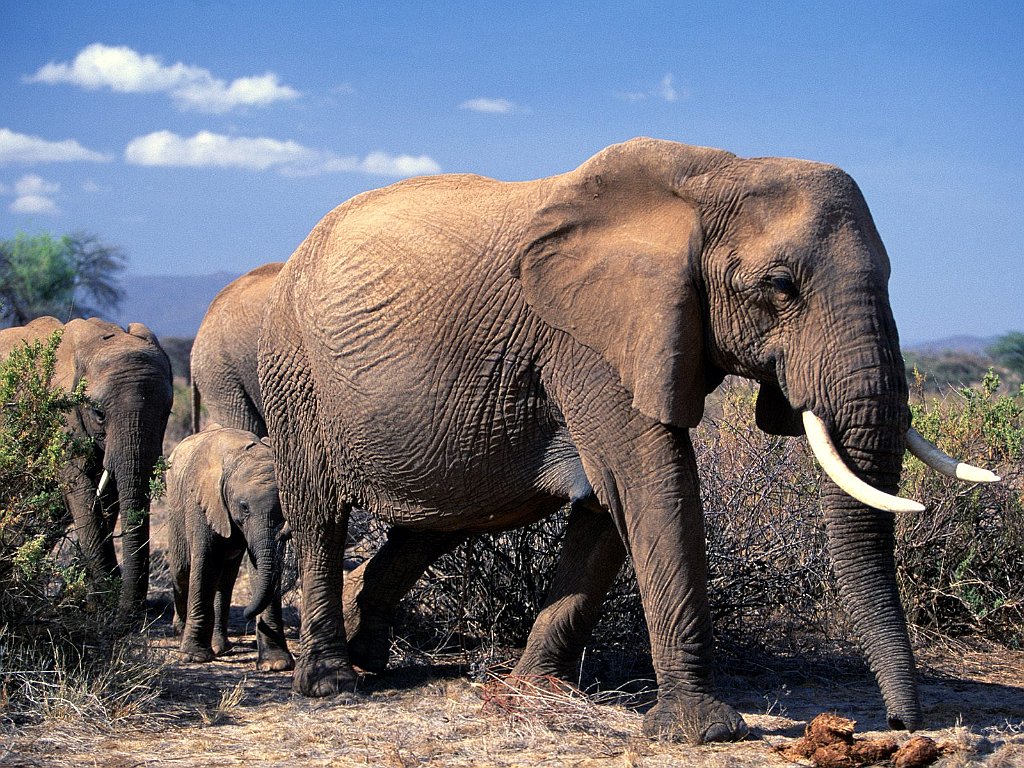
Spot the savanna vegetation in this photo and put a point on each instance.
(70, 276)
(961, 568)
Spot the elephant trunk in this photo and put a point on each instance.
(266, 554)
(871, 431)
(131, 473)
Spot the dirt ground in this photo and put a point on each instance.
(226, 713)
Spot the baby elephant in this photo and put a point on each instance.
(222, 501)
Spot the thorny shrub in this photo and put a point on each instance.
(58, 648)
(961, 562)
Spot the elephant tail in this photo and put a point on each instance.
(196, 405)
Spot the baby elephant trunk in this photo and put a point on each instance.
(266, 556)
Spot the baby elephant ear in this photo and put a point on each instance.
(610, 259)
(210, 491)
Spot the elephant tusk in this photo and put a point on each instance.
(101, 486)
(830, 460)
(938, 460)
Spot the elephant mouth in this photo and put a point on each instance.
(835, 467)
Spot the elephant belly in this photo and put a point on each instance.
(456, 461)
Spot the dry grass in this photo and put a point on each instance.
(783, 657)
(226, 713)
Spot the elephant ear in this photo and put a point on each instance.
(210, 490)
(141, 331)
(611, 258)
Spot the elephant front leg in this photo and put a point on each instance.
(661, 513)
(324, 668)
(222, 605)
(94, 534)
(201, 618)
(272, 653)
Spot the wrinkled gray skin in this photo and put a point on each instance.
(129, 381)
(461, 355)
(222, 502)
(223, 361)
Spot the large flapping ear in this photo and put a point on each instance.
(611, 258)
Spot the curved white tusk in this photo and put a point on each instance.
(104, 479)
(827, 455)
(938, 460)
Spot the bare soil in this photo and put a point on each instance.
(226, 713)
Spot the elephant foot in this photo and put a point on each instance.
(370, 651)
(196, 654)
(695, 719)
(274, 660)
(323, 676)
(221, 645)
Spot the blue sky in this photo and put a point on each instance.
(211, 136)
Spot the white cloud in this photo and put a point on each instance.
(665, 90)
(21, 148)
(214, 149)
(34, 194)
(206, 149)
(491, 106)
(374, 164)
(90, 186)
(126, 71)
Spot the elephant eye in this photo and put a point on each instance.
(782, 284)
(98, 414)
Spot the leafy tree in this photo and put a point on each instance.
(1009, 351)
(70, 276)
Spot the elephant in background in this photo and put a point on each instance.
(223, 362)
(460, 355)
(222, 502)
(128, 381)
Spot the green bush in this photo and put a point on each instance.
(962, 561)
(34, 446)
(59, 646)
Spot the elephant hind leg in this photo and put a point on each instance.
(373, 590)
(592, 553)
(307, 480)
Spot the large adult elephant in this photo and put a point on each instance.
(128, 382)
(223, 361)
(461, 355)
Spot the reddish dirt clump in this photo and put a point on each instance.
(828, 742)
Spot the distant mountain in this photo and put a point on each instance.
(169, 305)
(974, 345)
